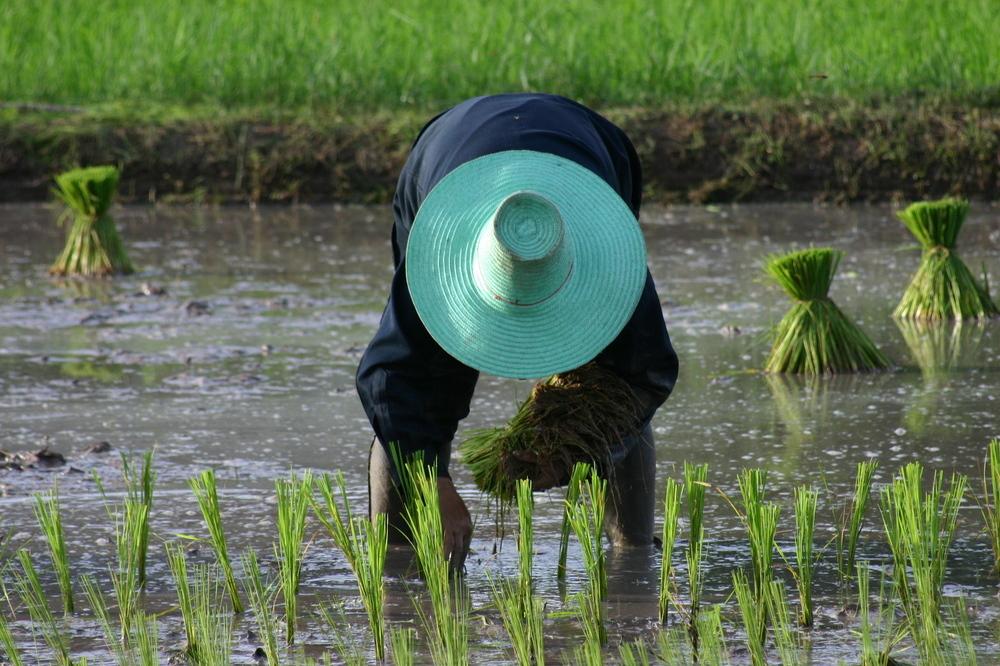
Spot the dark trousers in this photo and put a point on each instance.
(631, 498)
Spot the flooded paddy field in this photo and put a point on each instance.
(245, 363)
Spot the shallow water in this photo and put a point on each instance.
(262, 382)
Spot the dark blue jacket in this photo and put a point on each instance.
(414, 392)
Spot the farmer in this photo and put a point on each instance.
(517, 253)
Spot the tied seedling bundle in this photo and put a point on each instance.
(571, 417)
(93, 246)
(943, 287)
(815, 337)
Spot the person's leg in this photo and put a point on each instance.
(384, 496)
(632, 495)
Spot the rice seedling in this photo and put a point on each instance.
(447, 629)
(50, 520)
(586, 518)
(634, 654)
(695, 484)
(671, 513)
(525, 535)
(139, 491)
(8, 646)
(712, 638)
(147, 640)
(351, 653)
(991, 489)
(261, 598)
(206, 493)
(877, 639)
(852, 519)
(762, 524)
(403, 644)
(177, 561)
(943, 287)
(116, 643)
(753, 618)
(938, 348)
(211, 623)
(93, 246)
(293, 502)
(580, 472)
(364, 543)
(806, 500)
(29, 588)
(568, 418)
(673, 648)
(919, 528)
(131, 532)
(785, 639)
(815, 337)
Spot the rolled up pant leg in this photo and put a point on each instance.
(631, 504)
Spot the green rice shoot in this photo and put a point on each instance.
(784, 634)
(139, 491)
(402, 644)
(671, 515)
(177, 562)
(261, 598)
(50, 520)
(293, 504)
(364, 544)
(113, 639)
(586, 517)
(10, 651)
(815, 337)
(634, 653)
(991, 489)
(943, 287)
(147, 640)
(852, 520)
(806, 500)
(29, 588)
(205, 491)
(695, 485)
(753, 618)
(580, 472)
(93, 246)
(213, 623)
(571, 417)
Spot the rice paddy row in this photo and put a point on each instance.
(304, 54)
(911, 614)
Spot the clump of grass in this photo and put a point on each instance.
(753, 618)
(29, 588)
(991, 489)
(364, 543)
(919, 528)
(571, 417)
(50, 520)
(671, 513)
(695, 485)
(293, 503)
(261, 598)
(943, 287)
(448, 628)
(852, 519)
(586, 517)
(10, 651)
(403, 643)
(206, 492)
(806, 500)
(580, 472)
(93, 246)
(815, 337)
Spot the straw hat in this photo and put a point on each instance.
(524, 264)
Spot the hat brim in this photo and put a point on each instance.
(563, 332)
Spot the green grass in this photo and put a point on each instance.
(206, 492)
(50, 520)
(304, 53)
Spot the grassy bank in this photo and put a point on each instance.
(832, 151)
(307, 54)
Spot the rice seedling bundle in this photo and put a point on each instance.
(571, 417)
(943, 287)
(93, 246)
(815, 337)
(50, 520)
(206, 492)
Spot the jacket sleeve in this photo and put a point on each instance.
(413, 392)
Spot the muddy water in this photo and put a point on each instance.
(246, 365)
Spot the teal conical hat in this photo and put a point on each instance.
(524, 264)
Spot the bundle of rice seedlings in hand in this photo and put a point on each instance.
(574, 416)
(943, 287)
(93, 246)
(815, 337)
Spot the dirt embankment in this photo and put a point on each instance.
(756, 153)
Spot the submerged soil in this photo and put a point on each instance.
(825, 151)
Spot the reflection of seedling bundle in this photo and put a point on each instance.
(575, 416)
(940, 348)
(93, 246)
(815, 337)
(943, 287)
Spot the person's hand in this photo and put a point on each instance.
(545, 476)
(457, 523)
